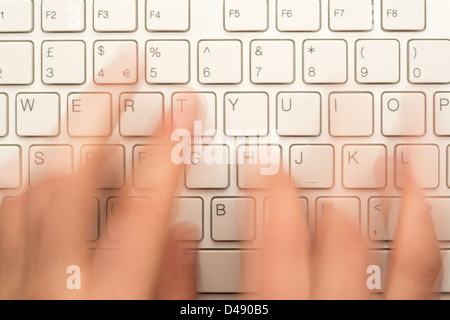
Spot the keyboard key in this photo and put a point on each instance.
(209, 168)
(383, 215)
(63, 16)
(257, 164)
(151, 156)
(38, 114)
(115, 15)
(442, 113)
(312, 166)
(93, 226)
(89, 114)
(325, 61)
(246, 114)
(272, 61)
(299, 114)
(221, 271)
(377, 61)
(168, 15)
(448, 166)
(189, 209)
(403, 15)
(233, 219)
(56, 70)
(168, 62)
(351, 114)
(108, 69)
(11, 167)
(141, 114)
(351, 15)
(207, 115)
(16, 16)
(112, 172)
(403, 114)
(212, 68)
(268, 203)
(294, 15)
(47, 162)
(16, 62)
(424, 162)
(350, 207)
(428, 61)
(364, 166)
(249, 15)
(4, 121)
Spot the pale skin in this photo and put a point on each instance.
(42, 233)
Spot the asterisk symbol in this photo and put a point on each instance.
(311, 50)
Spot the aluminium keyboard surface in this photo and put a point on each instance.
(328, 94)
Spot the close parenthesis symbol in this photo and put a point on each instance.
(415, 52)
(362, 52)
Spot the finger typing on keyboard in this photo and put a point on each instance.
(270, 149)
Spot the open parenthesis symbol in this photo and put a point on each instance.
(362, 52)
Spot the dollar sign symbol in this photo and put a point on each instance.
(101, 50)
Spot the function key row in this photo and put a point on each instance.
(238, 15)
(271, 61)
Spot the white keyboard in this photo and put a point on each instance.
(330, 88)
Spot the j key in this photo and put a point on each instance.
(16, 16)
(47, 162)
(10, 166)
(403, 15)
(246, 114)
(325, 61)
(16, 62)
(312, 166)
(351, 15)
(63, 16)
(383, 215)
(115, 15)
(38, 114)
(209, 168)
(89, 114)
(272, 61)
(350, 207)
(190, 210)
(442, 113)
(112, 172)
(168, 62)
(428, 61)
(299, 114)
(233, 219)
(364, 166)
(3, 115)
(294, 15)
(141, 114)
(109, 69)
(249, 15)
(403, 114)
(212, 69)
(351, 114)
(56, 70)
(423, 160)
(257, 164)
(377, 61)
(168, 15)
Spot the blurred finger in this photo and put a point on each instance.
(416, 259)
(286, 248)
(179, 268)
(340, 259)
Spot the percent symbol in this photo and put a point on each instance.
(155, 52)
